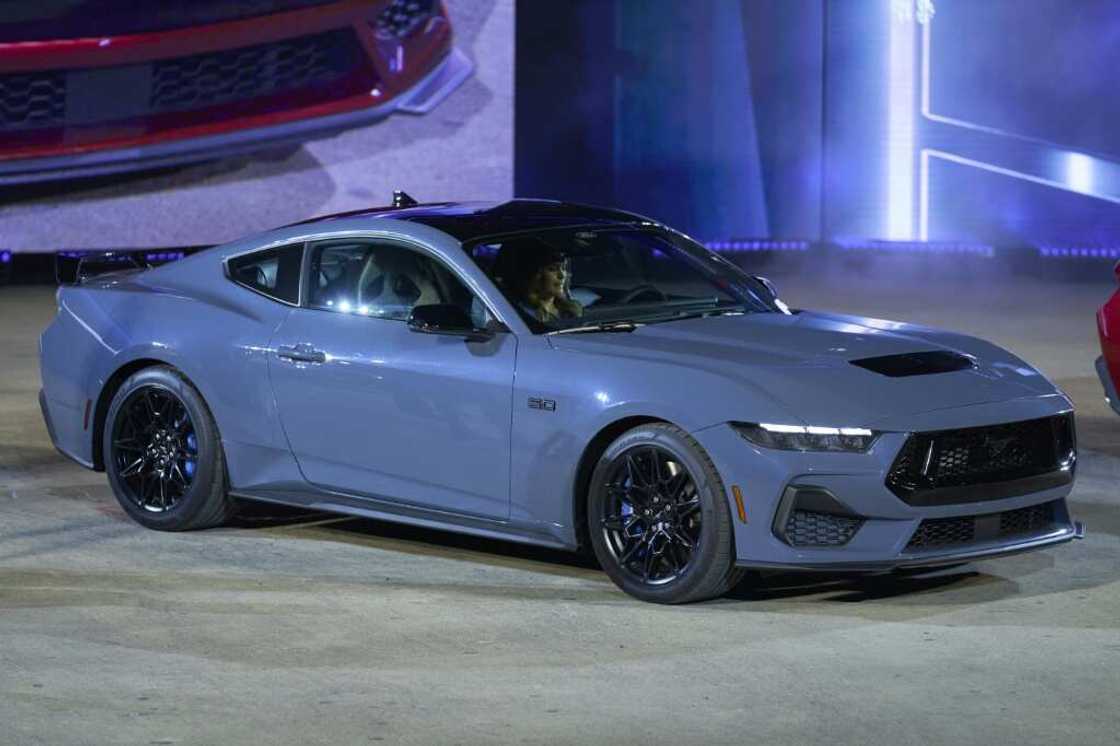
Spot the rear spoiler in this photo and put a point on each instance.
(75, 267)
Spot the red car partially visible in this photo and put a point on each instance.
(1108, 364)
(93, 86)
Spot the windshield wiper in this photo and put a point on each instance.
(698, 313)
(629, 325)
(602, 326)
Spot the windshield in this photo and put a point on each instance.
(569, 279)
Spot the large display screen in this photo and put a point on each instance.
(136, 125)
(984, 121)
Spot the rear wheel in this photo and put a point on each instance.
(658, 517)
(162, 453)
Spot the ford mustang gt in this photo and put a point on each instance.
(94, 86)
(559, 375)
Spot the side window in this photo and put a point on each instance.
(273, 272)
(381, 279)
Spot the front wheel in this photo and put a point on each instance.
(658, 517)
(163, 455)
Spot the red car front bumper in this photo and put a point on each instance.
(80, 106)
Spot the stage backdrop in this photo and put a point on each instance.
(463, 149)
(985, 121)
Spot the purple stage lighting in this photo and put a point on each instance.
(931, 247)
(758, 244)
(1079, 252)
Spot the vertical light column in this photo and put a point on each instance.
(923, 167)
(902, 105)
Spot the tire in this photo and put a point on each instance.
(158, 424)
(621, 506)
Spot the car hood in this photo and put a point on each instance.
(803, 362)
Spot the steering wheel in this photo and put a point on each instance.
(638, 291)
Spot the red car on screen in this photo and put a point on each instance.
(1108, 364)
(93, 86)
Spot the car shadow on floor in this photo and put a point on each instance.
(415, 540)
(849, 588)
(755, 587)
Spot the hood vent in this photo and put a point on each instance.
(916, 363)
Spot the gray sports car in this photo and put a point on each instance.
(559, 375)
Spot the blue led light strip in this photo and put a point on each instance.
(758, 244)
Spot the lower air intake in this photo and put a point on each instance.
(943, 532)
(935, 533)
(808, 529)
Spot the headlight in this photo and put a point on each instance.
(800, 438)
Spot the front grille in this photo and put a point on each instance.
(32, 100)
(984, 463)
(251, 72)
(401, 17)
(807, 528)
(309, 69)
(934, 533)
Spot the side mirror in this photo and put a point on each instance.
(765, 282)
(442, 318)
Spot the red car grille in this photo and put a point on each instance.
(401, 17)
(239, 81)
(248, 73)
(32, 100)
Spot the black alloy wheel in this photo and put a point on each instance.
(651, 522)
(658, 520)
(163, 455)
(155, 448)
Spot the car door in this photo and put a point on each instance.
(372, 408)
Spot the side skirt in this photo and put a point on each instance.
(330, 502)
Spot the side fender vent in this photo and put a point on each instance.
(916, 363)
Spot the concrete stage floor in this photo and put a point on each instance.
(317, 629)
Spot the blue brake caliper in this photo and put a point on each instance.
(192, 461)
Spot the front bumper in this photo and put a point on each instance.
(420, 98)
(886, 538)
(1108, 384)
(1059, 535)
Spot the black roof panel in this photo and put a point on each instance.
(468, 221)
(520, 215)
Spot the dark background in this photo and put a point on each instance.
(982, 127)
(812, 118)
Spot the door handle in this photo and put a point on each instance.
(301, 353)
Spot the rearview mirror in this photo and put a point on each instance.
(444, 318)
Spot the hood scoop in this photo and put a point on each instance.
(916, 363)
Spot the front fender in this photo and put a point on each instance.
(589, 392)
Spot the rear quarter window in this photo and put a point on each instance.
(271, 272)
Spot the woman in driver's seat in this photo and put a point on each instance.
(541, 285)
